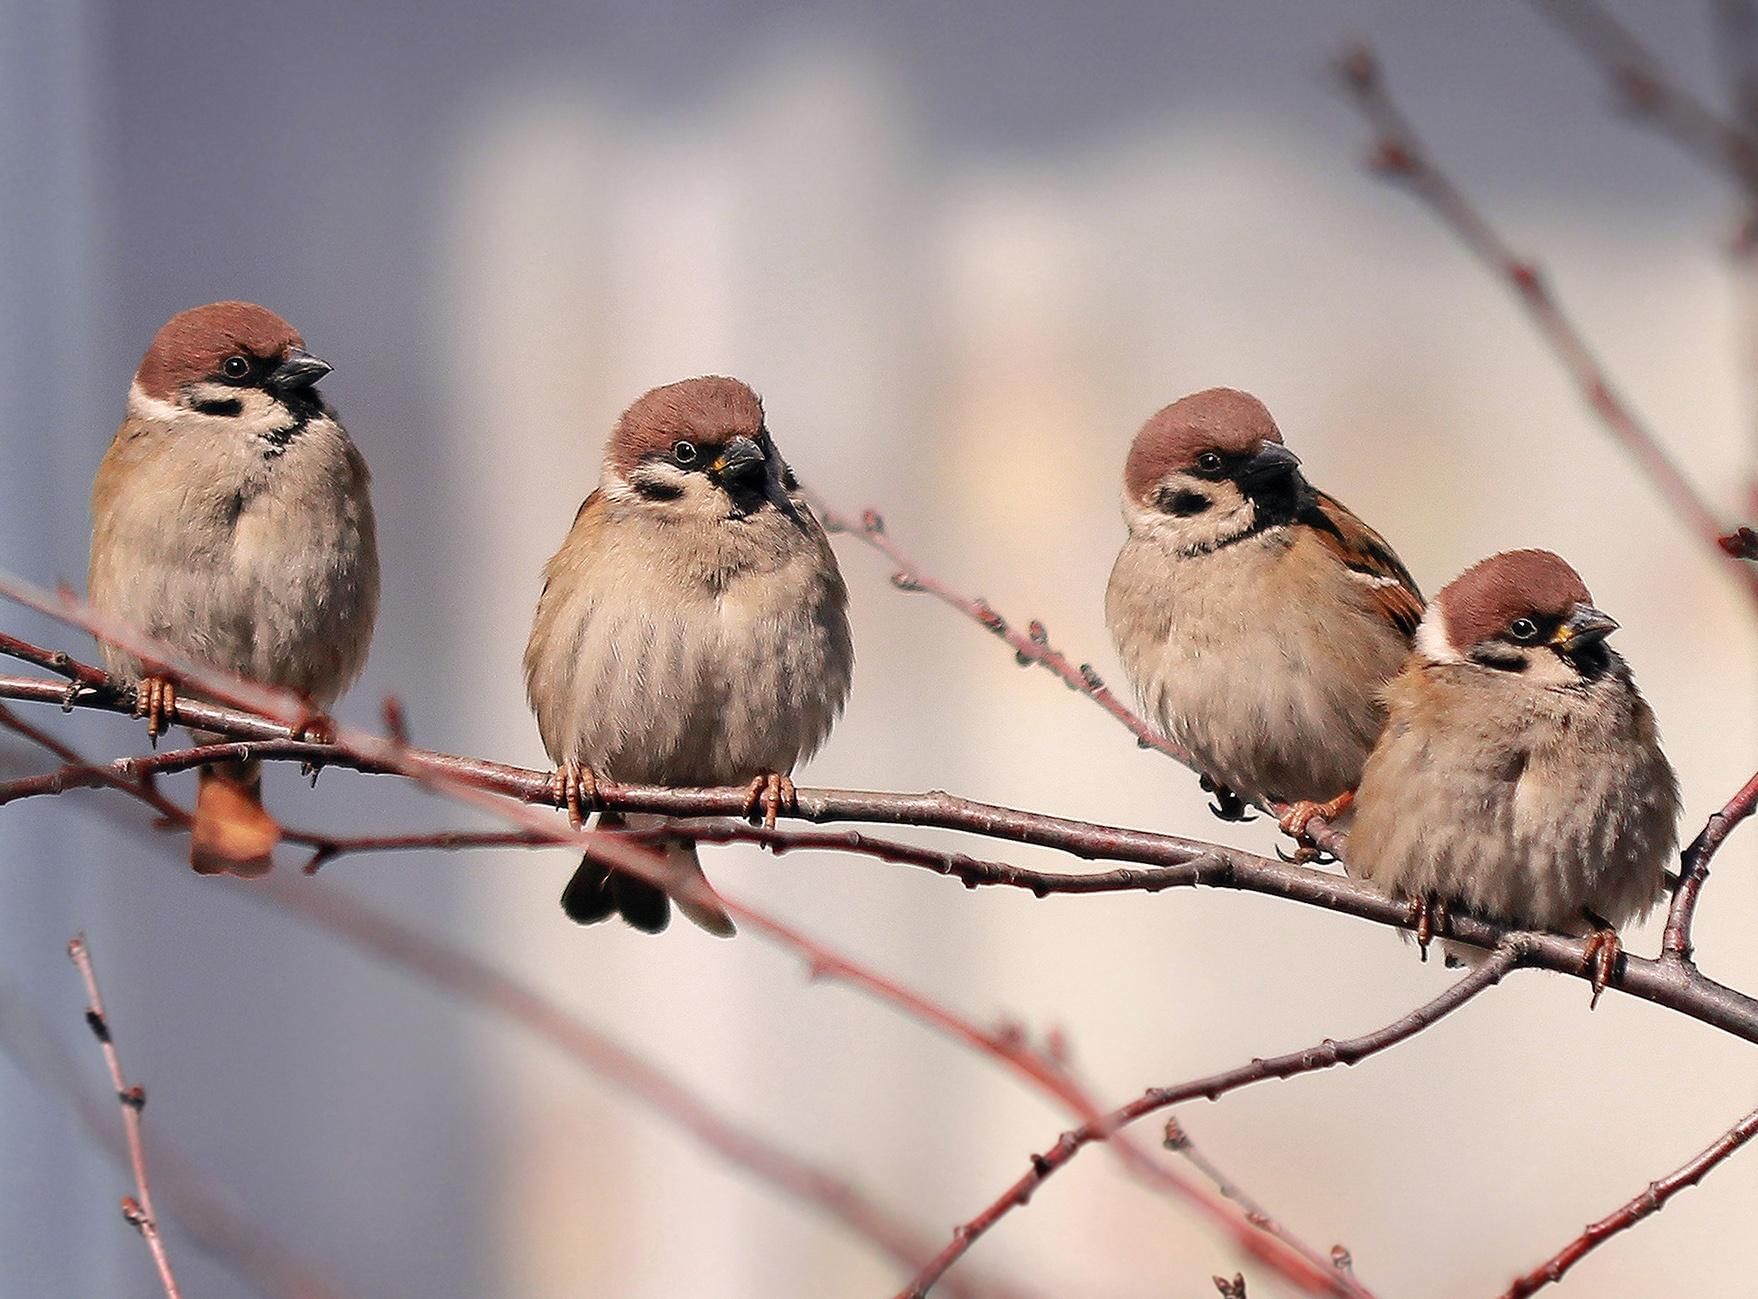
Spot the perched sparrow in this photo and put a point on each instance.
(1255, 615)
(231, 520)
(693, 630)
(1519, 774)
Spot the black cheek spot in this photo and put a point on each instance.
(653, 489)
(1182, 503)
(227, 406)
(1499, 658)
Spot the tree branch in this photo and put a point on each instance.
(1323, 1056)
(1400, 155)
(136, 1208)
(1694, 870)
(1651, 1201)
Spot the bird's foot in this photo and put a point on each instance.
(1297, 816)
(1604, 950)
(156, 700)
(1429, 916)
(314, 727)
(575, 789)
(774, 792)
(1228, 806)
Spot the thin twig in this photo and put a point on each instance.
(1654, 96)
(1178, 1140)
(1675, 944)
(1032, 648)
(375, 932)
(1323, 1056)
(1649, 1202)
(206, 1214)
(1400, 155)
(136, 1208)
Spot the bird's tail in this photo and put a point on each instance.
(596, 891)
(232, 832)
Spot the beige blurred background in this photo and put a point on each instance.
(962, 255)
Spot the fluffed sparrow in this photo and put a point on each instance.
(231, 519)
(693, 630)
(1256, 617)
(1519, 775)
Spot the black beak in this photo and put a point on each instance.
(300, 370)
(1584, 626)
(741, 465)
(1273, 460)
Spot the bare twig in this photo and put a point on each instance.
(1323, 1056)
(184, 1195)
(1178, 1141)
(373, 931)
(1654, 96)
(136, 1208)
(1030, 647)
(1400, 155)
(1033, 648)
(1694, 870)
(1649, 1202)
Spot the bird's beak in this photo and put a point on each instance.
(741, 463)
(1583, 626)
(300, 370)
(1273, 460)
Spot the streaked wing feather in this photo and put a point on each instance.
(1368, 555)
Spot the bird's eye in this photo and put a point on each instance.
(1209, 462)
(1523, 629)
(235, 367)
(684, 452)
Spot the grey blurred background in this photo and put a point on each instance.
(963, 254)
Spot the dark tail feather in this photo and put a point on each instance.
(587, 899)
(596, 892)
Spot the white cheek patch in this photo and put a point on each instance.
(1431, 636)
(259, 413)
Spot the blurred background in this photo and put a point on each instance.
(963, 253)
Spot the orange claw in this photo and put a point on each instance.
(156, 700)
(774, 792)
(574, 787)
(1298, 816)
(1604, 950)
(1428, 916)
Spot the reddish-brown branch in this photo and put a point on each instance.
(1651, 1201)
(1652, 95)
(137, 1208)
(1177, 862)
(1323, 1056)
(377, 933)
(1030, 647)
(1694, 869)
(1399, 154)
(1178, 1140)
(443, 773)
(1033, 647)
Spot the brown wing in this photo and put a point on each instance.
(1366, 553)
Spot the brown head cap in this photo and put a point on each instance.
(1489, 595)
(1216, 419)
(193, 344)
(709, 410)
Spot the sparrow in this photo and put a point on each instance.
(1256, 617)
(693, 630)
(1519, 775)
(232, 520)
